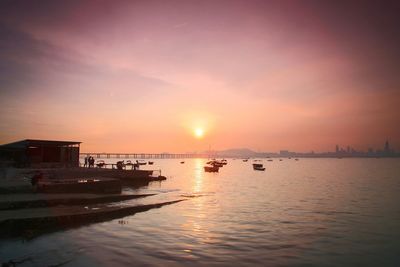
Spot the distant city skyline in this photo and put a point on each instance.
(348, 151)
(384, 151)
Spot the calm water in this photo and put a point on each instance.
(311, 212)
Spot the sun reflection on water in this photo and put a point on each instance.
(198, 176)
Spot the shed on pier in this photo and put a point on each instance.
(41, 153)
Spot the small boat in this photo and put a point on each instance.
(182, 162)
(296, 159)
(151, 162)
(270, 160)
(245, 160)
(141, 162)
(258, 167)
(280, 159)
(211, 168)
(134, 166)
(224, 162)
(100, 164)
(216, 163)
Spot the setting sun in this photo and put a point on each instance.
(199, 133)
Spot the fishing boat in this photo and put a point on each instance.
(216, 163)
(258, 167)
(211, 168)
(100, 164)
(224, 162)
(130, 163)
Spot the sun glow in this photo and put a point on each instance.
(198, 133)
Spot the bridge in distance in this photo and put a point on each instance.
(145, 155)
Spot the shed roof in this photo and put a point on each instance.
(35, 142)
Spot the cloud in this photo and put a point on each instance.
(27, 63)
(273, 65)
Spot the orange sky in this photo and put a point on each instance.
(141, 76)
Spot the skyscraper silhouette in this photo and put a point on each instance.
(387, 148)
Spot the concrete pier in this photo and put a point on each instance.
(33, 222)
(25, 201)
(27, 213)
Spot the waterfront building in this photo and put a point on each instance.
(41, 153)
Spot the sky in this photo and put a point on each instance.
(145, 76)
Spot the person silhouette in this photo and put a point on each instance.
(91, 162)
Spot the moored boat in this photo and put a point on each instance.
(100, 164)
(258, 167)
(216, 163)
(211, 168)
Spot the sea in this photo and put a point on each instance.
(310, 212)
